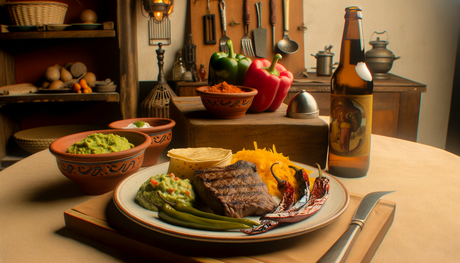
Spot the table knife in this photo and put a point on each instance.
(340, 250)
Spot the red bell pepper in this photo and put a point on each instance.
(272, 81)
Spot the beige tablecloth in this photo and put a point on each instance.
(34, 195)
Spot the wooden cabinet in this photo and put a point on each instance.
(110, 52)
(396, 102)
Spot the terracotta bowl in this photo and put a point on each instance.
(227, 105)
(97, 174)
(160, 133)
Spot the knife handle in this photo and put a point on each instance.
(339, 251)
(272, 12)
(246, 17)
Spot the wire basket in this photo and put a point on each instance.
(36, 13)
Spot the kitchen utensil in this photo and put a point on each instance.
(324, 64)
(159, 32)
(339, 251)
(273, 21)
(246, 42)
(209, 25)
(156, 104)
(286, 45)
(223, 40)
(379, 59)
(303, 106)
(260, 34)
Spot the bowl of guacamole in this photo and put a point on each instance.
(96, 143)
(98, 160)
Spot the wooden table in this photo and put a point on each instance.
(396, 102)
(34, 196)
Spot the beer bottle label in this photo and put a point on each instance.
(350, 125)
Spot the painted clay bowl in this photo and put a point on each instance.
(160, 133)
(227, 105)
(97, 174)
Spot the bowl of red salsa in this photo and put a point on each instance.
(226, 101)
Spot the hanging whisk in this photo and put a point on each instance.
(156, 104)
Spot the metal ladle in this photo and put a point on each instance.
(286, 45)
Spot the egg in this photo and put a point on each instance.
(88, 16)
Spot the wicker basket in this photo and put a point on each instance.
(36, 13)
(37, 139)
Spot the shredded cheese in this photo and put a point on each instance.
(264, 159)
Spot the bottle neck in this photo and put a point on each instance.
(352, 50)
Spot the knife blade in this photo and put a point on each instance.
(340, 250)
(273, 21)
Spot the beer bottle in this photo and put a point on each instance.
(352, 90)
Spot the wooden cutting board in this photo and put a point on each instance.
(98, 219)
(302, 140)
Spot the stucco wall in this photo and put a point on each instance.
(423, 33)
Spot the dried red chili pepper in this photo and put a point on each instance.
(286, 203)
(318, 197)
(303, 192)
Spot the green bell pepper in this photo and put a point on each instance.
(229, 67)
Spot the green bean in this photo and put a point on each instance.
(193, 211)
(170, 215)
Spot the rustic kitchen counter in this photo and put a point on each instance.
(396, 101)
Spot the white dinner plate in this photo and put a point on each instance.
(124, 199)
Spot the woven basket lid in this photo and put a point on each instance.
(51, 133)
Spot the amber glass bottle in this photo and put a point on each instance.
(351, 104)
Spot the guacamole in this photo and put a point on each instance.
(170, 187)
(100, 143)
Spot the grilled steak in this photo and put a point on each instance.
(235, 190)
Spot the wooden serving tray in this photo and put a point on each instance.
(100, 220)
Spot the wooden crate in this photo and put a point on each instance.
(302, 140)
(234, 14)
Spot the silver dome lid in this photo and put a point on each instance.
(303, 106)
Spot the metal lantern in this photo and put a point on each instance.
(158, 9)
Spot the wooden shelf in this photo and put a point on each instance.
(58, 34)
(55, 97)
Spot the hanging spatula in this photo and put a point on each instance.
(260, 34)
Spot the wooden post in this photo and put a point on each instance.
(127, 39)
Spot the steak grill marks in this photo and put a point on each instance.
(238, 186)
(240, 176)
(235, 190)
